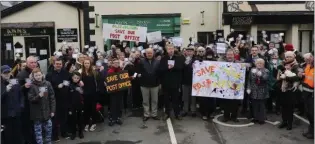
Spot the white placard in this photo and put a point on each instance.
(124, 32)
(18, 50)
(171, 62)
(221, 48)
(65, 82)
(13, 81)
(32, 50)
(42, 89)
(154, 37)
(135, 75)
(43, 52)
(8, 46)
(177, 41)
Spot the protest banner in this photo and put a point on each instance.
(218, 79)
(124, 32)
(117, 81)
(154, 37)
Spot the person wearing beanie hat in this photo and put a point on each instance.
(298, 55)
(290, 81)
(12, 104)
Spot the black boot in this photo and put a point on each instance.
(72, 137)
(119, 122)
(110, 122)
(283, 125)
(81, 136)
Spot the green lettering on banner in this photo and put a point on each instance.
(117, 81)
(125, 27)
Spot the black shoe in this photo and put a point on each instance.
(282, 125)
(119, 122)
(225, 120)
(156, 118)
(178, 117)
(289, 127)
(193, 114)
(235, 120)
(254, 121)
(81, 136)
(166, 117)
(261, 122)
(111, 123)
(305, 134)
(278, 113)
(145, 118)
(55, 140)
(72, 137)
(184, 114)
(309, 136)
(65, 136)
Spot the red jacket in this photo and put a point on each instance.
(113, 70)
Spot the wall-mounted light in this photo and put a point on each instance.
(202, 17)
(96, 20)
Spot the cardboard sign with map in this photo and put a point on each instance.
(117, 81)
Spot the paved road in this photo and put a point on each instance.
(193, 131)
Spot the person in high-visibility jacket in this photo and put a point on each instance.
(308, 92)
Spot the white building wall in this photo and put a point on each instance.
(63, 15)
(189, 10)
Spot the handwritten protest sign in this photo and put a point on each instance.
(154, 37)
(117, 81)
(218, 79)
(124, 32)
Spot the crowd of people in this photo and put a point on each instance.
(38, 108)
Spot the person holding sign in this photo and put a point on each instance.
(115, 98)
(230, 106)
(42, 106)
(12, 103)
(171, 67)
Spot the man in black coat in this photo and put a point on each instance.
(171, 67)
(28, 133)
(59, 79)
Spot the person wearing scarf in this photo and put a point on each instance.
(42, 106)
(290, 81)
(274, 88)
(258, 90)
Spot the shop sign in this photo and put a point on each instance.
(67, 34)
(247, 20)
(23, 31)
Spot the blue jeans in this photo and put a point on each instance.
(38, 131)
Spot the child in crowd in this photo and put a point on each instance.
(76, 106)
(42, 106)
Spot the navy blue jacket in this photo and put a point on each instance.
(12, 102)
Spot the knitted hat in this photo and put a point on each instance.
(5, 69)
(289, 47)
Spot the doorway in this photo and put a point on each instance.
(40, 48)
(37, 46)
(7, 51)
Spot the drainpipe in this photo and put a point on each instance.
(79, 21)
(219, 15)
